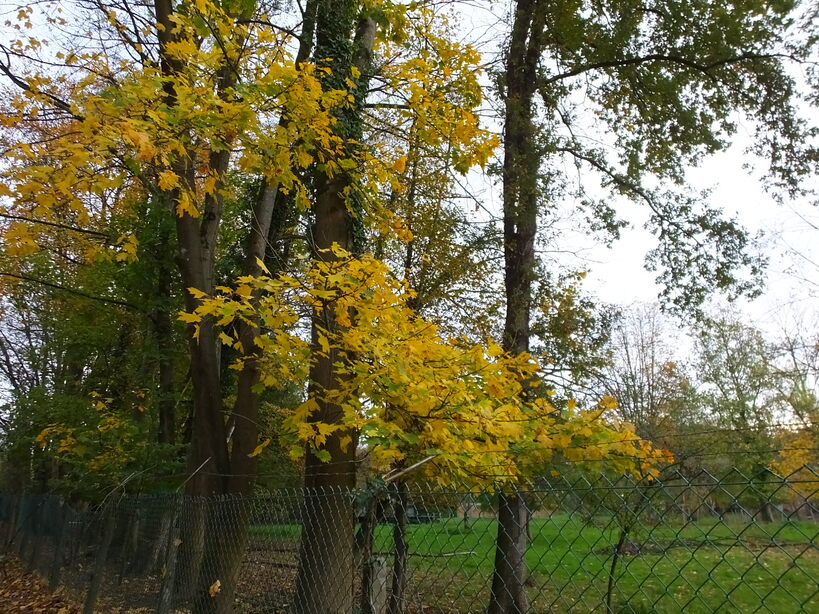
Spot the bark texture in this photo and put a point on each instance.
(520, 202)
(219, 463)
(327, 567)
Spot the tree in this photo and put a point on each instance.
(110, 390)
(650, 380)
(132, 127)
(795, 379)
(344, 45)
(571, 331)
(734, 363)
(225, 128)
(187, 96)
(795, 369)
(664, 80)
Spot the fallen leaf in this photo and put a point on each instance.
(215, 588)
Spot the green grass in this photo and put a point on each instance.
(694, 568)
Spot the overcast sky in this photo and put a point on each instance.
(789, 239)
(789, 232)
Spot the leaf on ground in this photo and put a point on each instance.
(215, 588)
(23, 592)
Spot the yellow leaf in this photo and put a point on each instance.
(146, 150)
(324, 343)
(495, 388)
(258, 449)
(227, 340)
(325, 429)
(215, 588)
(168, 180)
(210, 184)
(303, 159)
(185, 206)
(400, 165)
(42, 438)
(494, 349)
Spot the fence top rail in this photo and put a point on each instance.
(804, 481)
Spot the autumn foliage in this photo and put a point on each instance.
(85, 149)
(408, 391)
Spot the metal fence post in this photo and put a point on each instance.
(59, 543)
(166, 592)
(14, 515)
(99, 561)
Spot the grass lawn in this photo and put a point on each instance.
(708, 566)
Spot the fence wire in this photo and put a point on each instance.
(684, 543)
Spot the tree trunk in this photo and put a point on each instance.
(326, 575)
(327, 552)
(163, 330)
(210, 467)
(100, 559)
(365, 552)
(225, 543)
(228, 521)
(13, 521)
(166, 590)
(157, 547)
(208, 459)
(58, 558)
(399, 566)
(520, 196)
(508, 592)
(192, 531)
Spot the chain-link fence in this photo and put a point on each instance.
(685, 543)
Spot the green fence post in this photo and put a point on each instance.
(99, 562)
(169, 579)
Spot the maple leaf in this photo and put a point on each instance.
(214, 588)
(400, 164)
(168, 180)
(142, 141)
(258, 449)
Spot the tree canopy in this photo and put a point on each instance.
(238, 230)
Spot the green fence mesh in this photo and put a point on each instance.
(685, 543)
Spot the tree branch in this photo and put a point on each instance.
(103, 299)
(61, 104)
(670, 58)
(95, 233)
